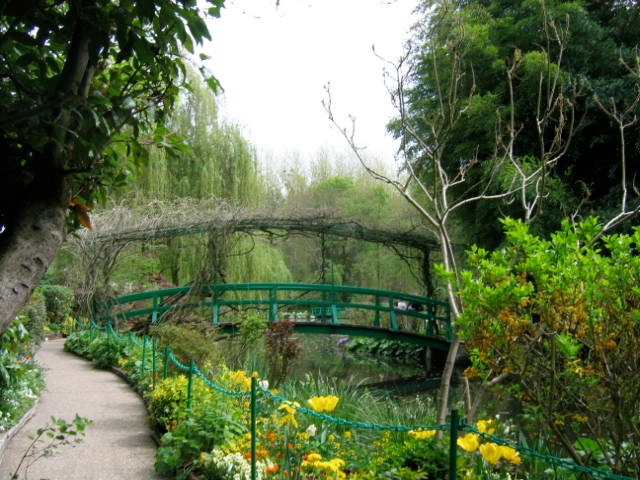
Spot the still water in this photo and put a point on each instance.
(328, 356)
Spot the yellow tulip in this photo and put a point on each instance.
(486, 426)
(290, 411)
(323, 404)
(421, 434)
(490, 452)
(510, 454)
(469, 442)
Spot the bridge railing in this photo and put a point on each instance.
(393, 310)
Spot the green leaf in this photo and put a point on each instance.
(197, 26)
(568, 345)
(214, 84)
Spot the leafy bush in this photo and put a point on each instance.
(209, 425)
(20, 376)
(12, 342)
(105, 351)
(167, 403)
(35, 315)
(59, 302)
(78, 342)
(252, 329)
(559, 318)
(187, 343)
(131, 364)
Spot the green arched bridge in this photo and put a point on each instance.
(320, 309)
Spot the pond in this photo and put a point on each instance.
(328, 356)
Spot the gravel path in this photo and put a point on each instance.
(118, 445)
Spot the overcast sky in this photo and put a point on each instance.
(274, 63)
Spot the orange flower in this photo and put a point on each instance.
(273, 468)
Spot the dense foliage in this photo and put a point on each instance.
(553, 80)
(82, 84)
(20, 376)
(77, 74)
(307, 429)
(559, 320)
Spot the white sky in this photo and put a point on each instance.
(274, 63)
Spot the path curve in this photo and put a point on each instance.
(118, 445)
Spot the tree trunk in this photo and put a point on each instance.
(445, 381)
(37, 224)
(27, 249)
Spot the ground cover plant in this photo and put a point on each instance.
(312, 428)
(20, 377)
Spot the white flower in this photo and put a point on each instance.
(264, 384)
(311, 430)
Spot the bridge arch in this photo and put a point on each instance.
(220, 221)
(313, 308)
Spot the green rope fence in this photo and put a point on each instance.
(455, 426)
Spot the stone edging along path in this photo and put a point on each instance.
(6, 437)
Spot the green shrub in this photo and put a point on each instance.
(105, 351)
(168, 402)
(78, 342)
(188, 343)
(12, 343)
(208, 426)
(252, 329)
(35, 316)
(59, 302)
(20, 376)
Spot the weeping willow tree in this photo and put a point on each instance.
(220, 164)
(217, 166)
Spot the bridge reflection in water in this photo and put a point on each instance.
(313, 308)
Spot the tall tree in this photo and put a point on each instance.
(219, 164)
(81, 83)
(485, 124)
(581, 50)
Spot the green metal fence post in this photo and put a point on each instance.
(254, 472)
(273, 305)
(144, 353)
(192, 367)
(453, 445)
(153, 362)
(154, 305)
(165, 373)
(393, 322)
(215, 305)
